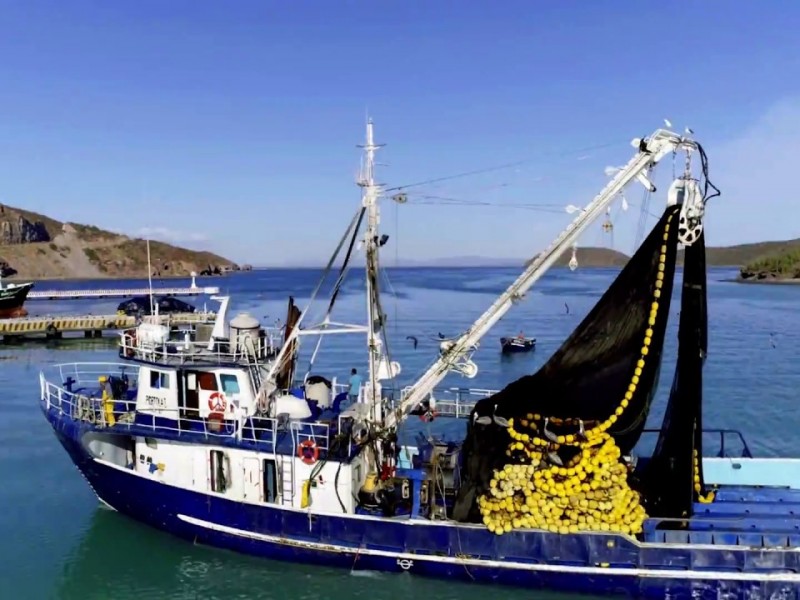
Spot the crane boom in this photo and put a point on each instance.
(650, 152)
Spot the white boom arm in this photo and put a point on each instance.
(651, 151)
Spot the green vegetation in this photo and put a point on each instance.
(91, 254)
(784, 264)
(787, 262)
(90, 233)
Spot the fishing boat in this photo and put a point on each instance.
(12, 299)
(224, 443)
(517, 344)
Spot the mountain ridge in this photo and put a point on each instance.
(36, 246)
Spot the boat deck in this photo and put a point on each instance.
(745, 512)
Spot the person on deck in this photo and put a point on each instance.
(520, 336)
(355, 385)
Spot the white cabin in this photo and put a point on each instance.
(192, 393)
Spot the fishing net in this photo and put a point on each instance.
(551, 441)
(673, 478)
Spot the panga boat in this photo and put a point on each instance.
(514, 345)
(217, 441)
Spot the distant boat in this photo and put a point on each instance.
(12, 298)
(514, 345)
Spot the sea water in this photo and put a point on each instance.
(57, 542)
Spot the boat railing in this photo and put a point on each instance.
(315, 432)
(79, 395)
(454, 402)
(722, 443)
(172, 351)
(200, 316)
(81, 374)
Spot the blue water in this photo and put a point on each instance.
(55, 541)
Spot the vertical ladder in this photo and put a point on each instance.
(287, 480)
(255, 376)
(254, 369)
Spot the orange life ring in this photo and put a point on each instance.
(217, 403)
(308, 452)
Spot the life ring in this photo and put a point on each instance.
(428, 416)
(308, 452)
(217, 403)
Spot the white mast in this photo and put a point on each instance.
(369, 199)
(456, 354)
(150, 276)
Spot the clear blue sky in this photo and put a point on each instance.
(232, 125)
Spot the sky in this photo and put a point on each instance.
(233, 126)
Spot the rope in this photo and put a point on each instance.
(499, 167)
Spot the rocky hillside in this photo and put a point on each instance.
(593, 257)
(34, 246)
(780, 264)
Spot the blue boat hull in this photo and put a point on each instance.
(587, 563)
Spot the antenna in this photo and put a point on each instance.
(150, 277)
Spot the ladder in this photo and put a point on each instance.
(254, 370)
(287, 480)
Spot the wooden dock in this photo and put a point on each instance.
(118, 293)
(192, 290)
(92, 326)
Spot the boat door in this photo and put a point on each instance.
(191, 396)
(252, 479)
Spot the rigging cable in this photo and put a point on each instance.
(644, 212)
(497, 167)
(396, 260)
(342, 272)
(356, 217)
(706, 181)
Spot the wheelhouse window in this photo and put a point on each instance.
(230, 383)
(207, 381)
(159, 380)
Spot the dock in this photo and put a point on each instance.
(92, 326)
(192, 290)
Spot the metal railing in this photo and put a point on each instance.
(79, 397)
(200, 316)
(181, 352)
(454, 402)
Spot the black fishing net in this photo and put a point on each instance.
(673, 477)
(589, 375)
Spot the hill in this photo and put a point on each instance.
(592, 257)
(744, 254)
(782, 263)
(35, 246)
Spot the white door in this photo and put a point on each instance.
(252, 479)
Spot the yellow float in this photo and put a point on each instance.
(589, 492)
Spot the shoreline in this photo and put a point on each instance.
(35, 280)
(773, 281)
